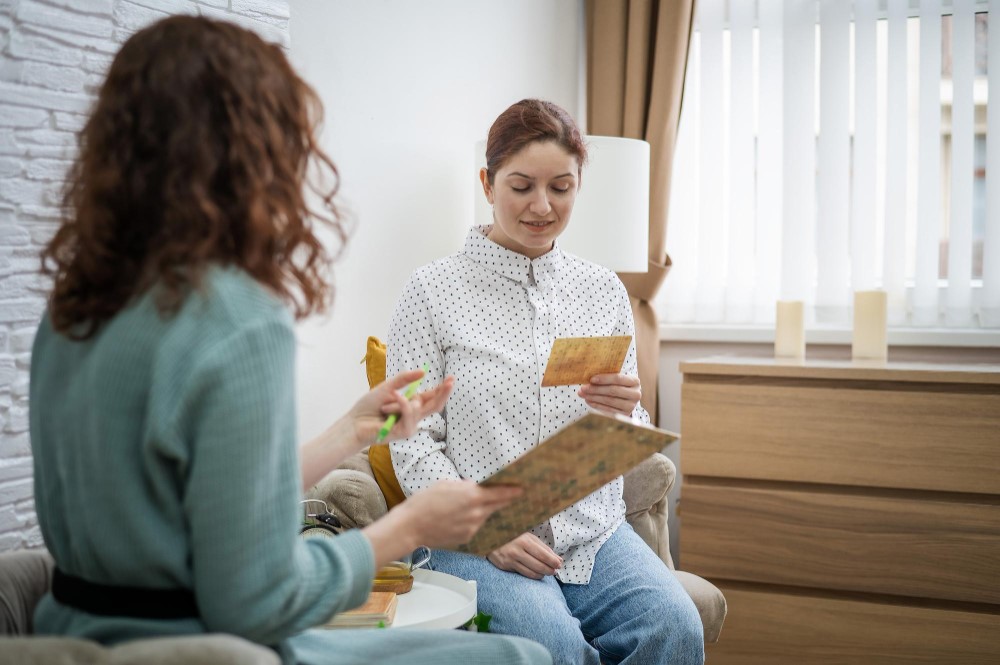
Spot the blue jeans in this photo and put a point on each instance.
(412, 646)
(633, 611)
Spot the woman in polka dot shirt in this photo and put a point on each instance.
(582, 583)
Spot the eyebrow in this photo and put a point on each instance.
(518, 174)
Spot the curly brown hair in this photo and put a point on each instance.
(195, 154)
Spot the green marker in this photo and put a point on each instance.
(411, 390)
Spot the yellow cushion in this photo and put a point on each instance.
(378, 455)
(385, 476)
(374, 361)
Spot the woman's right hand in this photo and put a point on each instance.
(446, 514)
(450, 512)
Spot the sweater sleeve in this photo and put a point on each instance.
(419, 460)
(253, 576)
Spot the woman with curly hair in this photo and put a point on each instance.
(167, 475)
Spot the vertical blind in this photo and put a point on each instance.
(830, 146)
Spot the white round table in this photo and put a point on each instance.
(437, 600)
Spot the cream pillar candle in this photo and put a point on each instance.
(789, 330)
(870, 340)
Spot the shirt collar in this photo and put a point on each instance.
(509, 263)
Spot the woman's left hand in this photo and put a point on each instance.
(359, 426)
(370, 412)
(612, 392)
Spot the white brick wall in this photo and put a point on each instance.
(53, 55)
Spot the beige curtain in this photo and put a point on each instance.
(636, 59)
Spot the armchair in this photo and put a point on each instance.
(25, 576)
(355, 496)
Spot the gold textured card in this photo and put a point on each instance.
(566, 467)
(573, 360)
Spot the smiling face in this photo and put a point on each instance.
(532, 197)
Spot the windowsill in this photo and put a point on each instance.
(763, 334)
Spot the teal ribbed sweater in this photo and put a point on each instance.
(165, 456)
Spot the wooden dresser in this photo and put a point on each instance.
(849, 512)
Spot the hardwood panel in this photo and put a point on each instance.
(764, 628)
(822, 434)
(984, 374)
(914, 547)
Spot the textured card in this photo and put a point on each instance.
(572, 463)
(573, 360)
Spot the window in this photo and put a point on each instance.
(829, 146)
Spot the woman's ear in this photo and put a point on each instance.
(487, 187)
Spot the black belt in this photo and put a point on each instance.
(123, 601)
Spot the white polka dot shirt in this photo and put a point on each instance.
(489, 316)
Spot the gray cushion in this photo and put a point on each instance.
(648, 483)
(52, 651)
(213, 649)
(187, 650)
(708, 599)
(25, 576)
(353, 496)
(645, 494)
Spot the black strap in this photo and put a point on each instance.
(123, 601)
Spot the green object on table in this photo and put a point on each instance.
(482, 622)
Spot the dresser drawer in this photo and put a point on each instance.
(916, 547)
(848, 434)
(764, 628)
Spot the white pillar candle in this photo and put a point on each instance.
(870, 340)
(789, 330)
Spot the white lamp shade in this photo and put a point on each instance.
(610, 222)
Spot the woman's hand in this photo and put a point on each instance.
(612, 392)
(370, 412)
(446, 514)
(359, 426)
(527, 555)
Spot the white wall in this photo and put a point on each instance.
(53, 55)
(409, 87)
